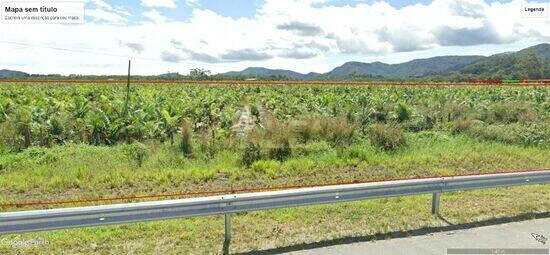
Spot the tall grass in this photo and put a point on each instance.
(386, 137)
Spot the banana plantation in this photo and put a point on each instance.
(44, 115)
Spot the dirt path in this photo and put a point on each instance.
(245, 123)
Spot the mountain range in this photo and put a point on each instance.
(503, 65)
(529, 63)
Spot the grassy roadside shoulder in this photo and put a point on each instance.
(82, 171)
(296, 228)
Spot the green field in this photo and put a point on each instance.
(64, 142)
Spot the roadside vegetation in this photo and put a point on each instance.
(64, 142)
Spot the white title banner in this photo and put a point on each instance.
(44, 12)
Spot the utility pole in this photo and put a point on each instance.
(127, 103)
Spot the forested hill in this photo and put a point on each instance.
(350, 70)
(529, 63)
(414, 68)
(10, 74)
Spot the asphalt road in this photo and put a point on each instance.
(515, 235)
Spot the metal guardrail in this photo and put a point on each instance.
(63, 218)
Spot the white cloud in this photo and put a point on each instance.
(104, 12)
(106, 16)
(135, 47)
(101, 4)
(287, 34)
(159, 3)
(155, 16)
(192, 2)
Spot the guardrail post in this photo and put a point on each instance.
(227, 240)
(435, 203)
(227, 227)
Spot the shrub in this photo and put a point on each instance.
(208, 143)
(386, 138)
(137, 152)
(4, 149)
(311, 149)
(269, 167)
(10, 138)
(535, 134)
(255, 112)
(306, 130)
(271, 129)
(460, 125)
(509, 112)
(40, 155)
(252, 153)
(8, 162)
(304, 133)
(281, 152)
(403, 112)
(337, 131)
(57, 129)
(497, 133)
(419, 122)
(528, 135)
(379, 112)
(186, 145)
(455, 110)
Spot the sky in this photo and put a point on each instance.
(162, 36)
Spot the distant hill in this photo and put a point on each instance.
(171, 76)
(10, 74)
(532, 62)
(529, 63)
(414, 68)
(264, 72)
